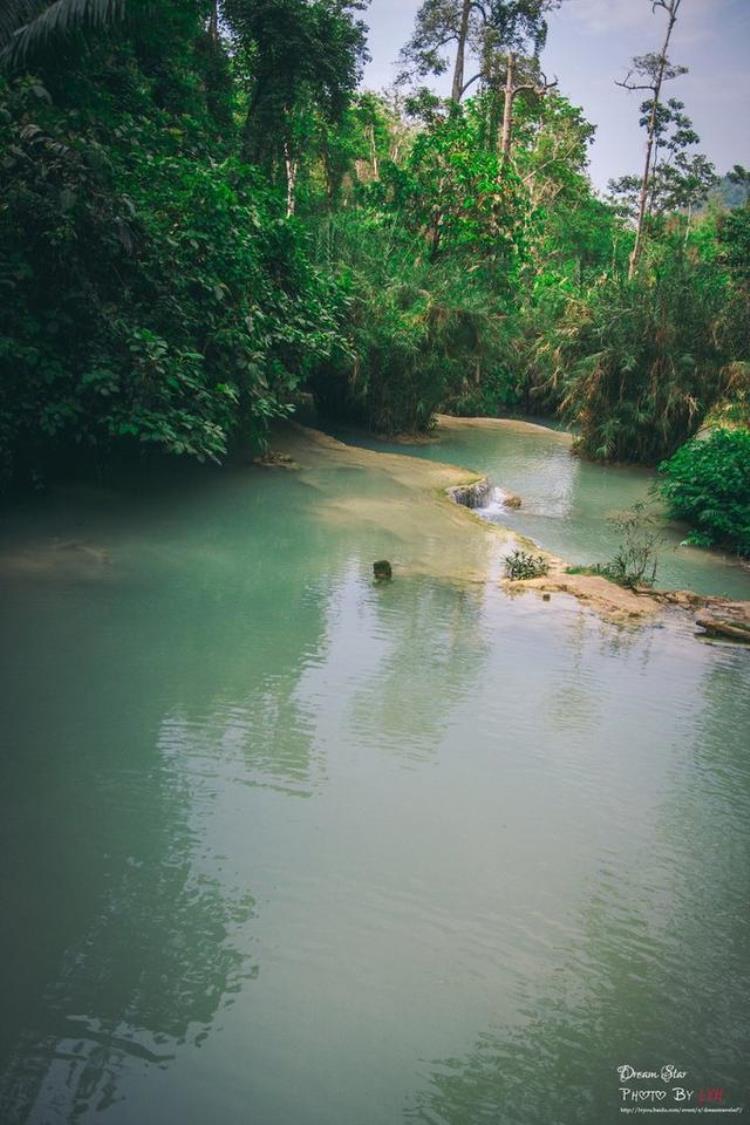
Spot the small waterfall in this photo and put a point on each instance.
(485, 498)
(495, 503)
(473, 495)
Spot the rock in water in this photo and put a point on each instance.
(382, 569)
(274, 460)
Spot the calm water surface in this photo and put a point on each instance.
(283, 847)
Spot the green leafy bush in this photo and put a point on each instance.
(636, 559)
(492, 393)
(707, 483)
(521, 564)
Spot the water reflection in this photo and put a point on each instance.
(166, 948)
(567, 501)
(655, 968)
(515, 819)
(413, 650)
(128, 703)
(623, 995)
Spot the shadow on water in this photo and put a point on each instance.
(126, 946)
(155, 659)
(613, 1003)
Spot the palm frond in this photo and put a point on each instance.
(29, 24)
(15, 14)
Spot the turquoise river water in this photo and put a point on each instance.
(284, 847)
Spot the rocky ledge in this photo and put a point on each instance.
(726, 619)
(473, 495)
(716, 617)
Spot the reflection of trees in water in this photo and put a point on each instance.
(128, 941)
(577, 701)
(720, 751)
(706, 822)
(237, 657)
(603, 1006)
(148, 972)
(433, 651)
(659, 973)
(263, 741)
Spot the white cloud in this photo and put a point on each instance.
(599, 17)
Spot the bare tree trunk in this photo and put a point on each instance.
(292, 166)
(671, 10)
(373, 152)
(508, 109)
(434, 234)
(213, 21)
(330, 184)
(458, 70)
(688, 223)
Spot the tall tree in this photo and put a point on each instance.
(457, 88)
(438, 25)
(520, 75)
(506, 38)
(304, 59)
(650, 72)
(679, 180)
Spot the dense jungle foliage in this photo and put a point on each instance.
(707, 483)
(201, 216)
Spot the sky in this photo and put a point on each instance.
(589, 46)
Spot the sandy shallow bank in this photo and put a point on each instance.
(448, 422)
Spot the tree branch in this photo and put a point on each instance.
(471, 82)
(535, 172)
(627, 85)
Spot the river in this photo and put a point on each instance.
(284, 846)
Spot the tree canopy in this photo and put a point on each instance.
(202, 215)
